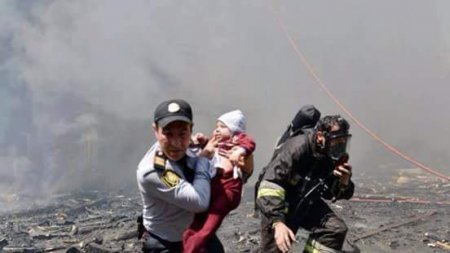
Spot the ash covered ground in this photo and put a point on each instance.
(409, 213)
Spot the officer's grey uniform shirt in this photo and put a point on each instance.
(168, 211)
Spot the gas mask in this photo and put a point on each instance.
(337, 144)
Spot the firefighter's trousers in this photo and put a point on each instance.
(327, 230)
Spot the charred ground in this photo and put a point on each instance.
(408, 213)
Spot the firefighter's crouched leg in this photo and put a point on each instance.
(329, 235)
(313, 246)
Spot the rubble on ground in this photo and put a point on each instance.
(407, 215)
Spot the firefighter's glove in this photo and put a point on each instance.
(344, 173)
(284, 237)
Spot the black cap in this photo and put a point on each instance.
(172, 110)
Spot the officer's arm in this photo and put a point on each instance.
(195, 197)
(192, 197)
(272, 190)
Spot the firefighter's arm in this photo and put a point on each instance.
(344, 173)
(270, 200)
(272, 204)
(343, 188)
(283, 236)
(272, 190)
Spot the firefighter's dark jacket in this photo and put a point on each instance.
(291, 173)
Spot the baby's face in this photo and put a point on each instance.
(222, 132)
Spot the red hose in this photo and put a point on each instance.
(318, 81)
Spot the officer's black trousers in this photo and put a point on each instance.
(155, 244)
(325, 227)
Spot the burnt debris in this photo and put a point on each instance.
(408, 215)
(91, 222)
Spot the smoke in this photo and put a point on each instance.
(80, 79)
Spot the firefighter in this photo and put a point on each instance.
(307, 169)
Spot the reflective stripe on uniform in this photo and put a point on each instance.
(268, 189)
(265, 192)
(310, 249)
(313, 246)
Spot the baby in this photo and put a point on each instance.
(233, 151)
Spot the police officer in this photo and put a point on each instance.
(173, 181)
(307, 168)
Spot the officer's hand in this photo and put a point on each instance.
(246, 164)
(236, 155)
(199, 139)
(344, 172)
(208, 150)
(283, 236)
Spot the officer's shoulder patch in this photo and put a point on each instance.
(170, 178)
(159, 162)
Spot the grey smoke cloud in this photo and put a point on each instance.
(79, 79)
